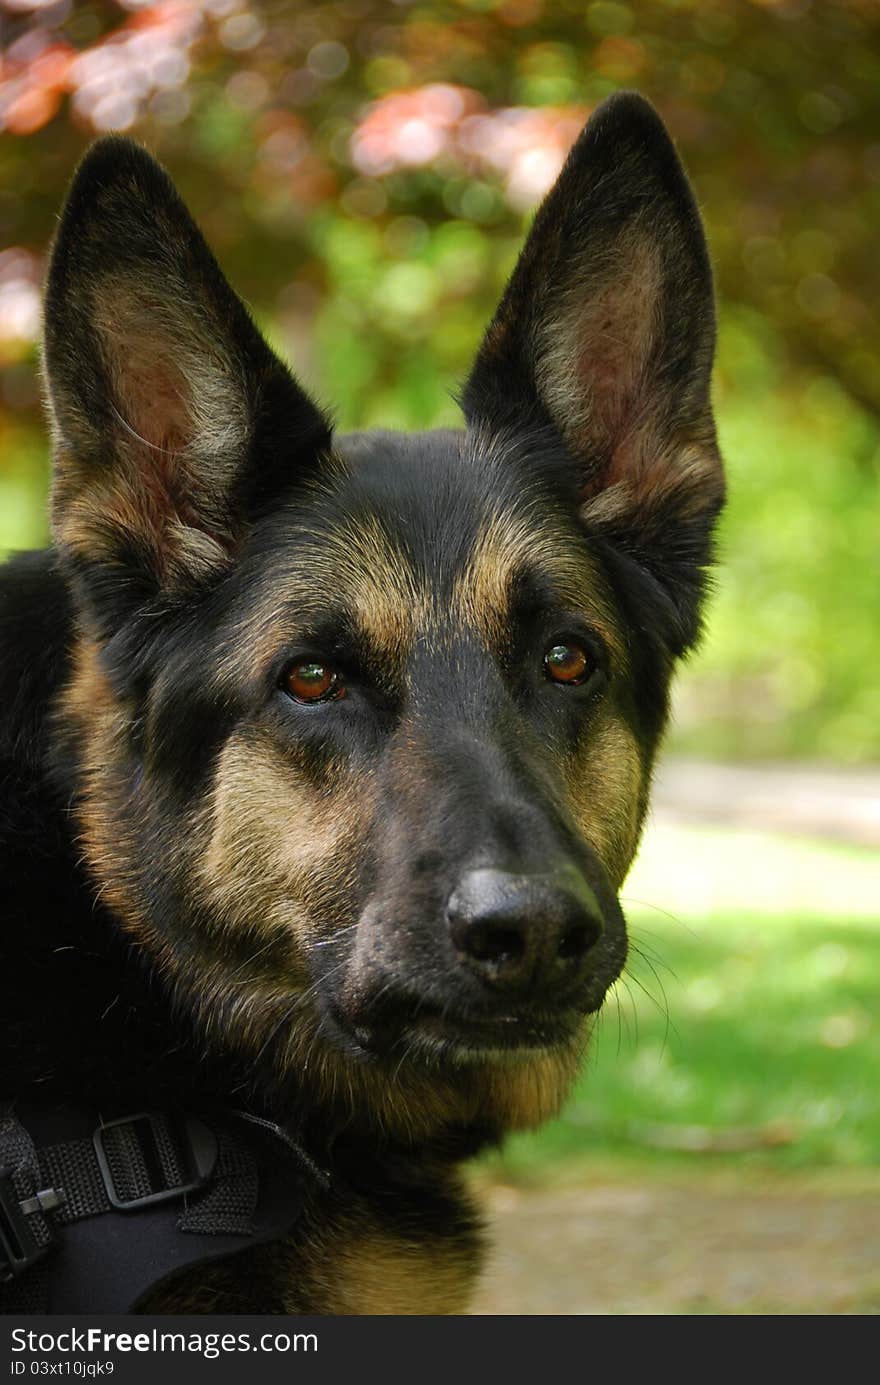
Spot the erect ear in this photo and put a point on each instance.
(606, 334)
(174, 422)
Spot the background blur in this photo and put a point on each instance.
(364, 171)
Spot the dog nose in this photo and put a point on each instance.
(524, 933)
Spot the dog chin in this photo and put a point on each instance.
(420, 1047)
(432, 1040)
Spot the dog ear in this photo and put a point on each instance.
(606, 334)
(174, 423)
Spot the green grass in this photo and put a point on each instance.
(746, 1013)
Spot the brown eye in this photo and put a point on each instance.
(567, 663)
(313, 682)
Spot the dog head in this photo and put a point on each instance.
(366, 724)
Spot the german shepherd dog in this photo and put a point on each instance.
(325, 758)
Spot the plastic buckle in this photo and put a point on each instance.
(196, 1143)
(19, 1248)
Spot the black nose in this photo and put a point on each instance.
(524, 933)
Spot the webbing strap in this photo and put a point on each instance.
(19, 1162)
(72, 1205)
(230, 1200)
(73, 1167)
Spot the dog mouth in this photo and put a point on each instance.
(434, 1034)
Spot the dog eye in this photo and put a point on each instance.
(567, 663)
(312, 681)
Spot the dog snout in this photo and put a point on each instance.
(526, 935)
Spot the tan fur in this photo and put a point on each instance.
(178, 433)
(594, 348)
(96, 518)
(339, 1262)
(272, 854)
(509, 544)
(272, 836)
(605, 793)
(597, 375)
(269, 876)
(384, 1275)
(691, 467)
(90, 705)
(170, 390)
(366, 572)
(269, 859)
(342, 1260)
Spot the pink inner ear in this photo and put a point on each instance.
(142, 335)
(596, 374)
(617, 339)
(175, 432)
(163, 491)
(156, 427)
(154, 405)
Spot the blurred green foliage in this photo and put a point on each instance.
(363, 170)
(793, 631)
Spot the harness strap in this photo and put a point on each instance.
(95, 1221)
(22, 1243)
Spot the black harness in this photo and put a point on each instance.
(96, 1213)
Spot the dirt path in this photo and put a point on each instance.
(655, 1247)
(806, 800)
